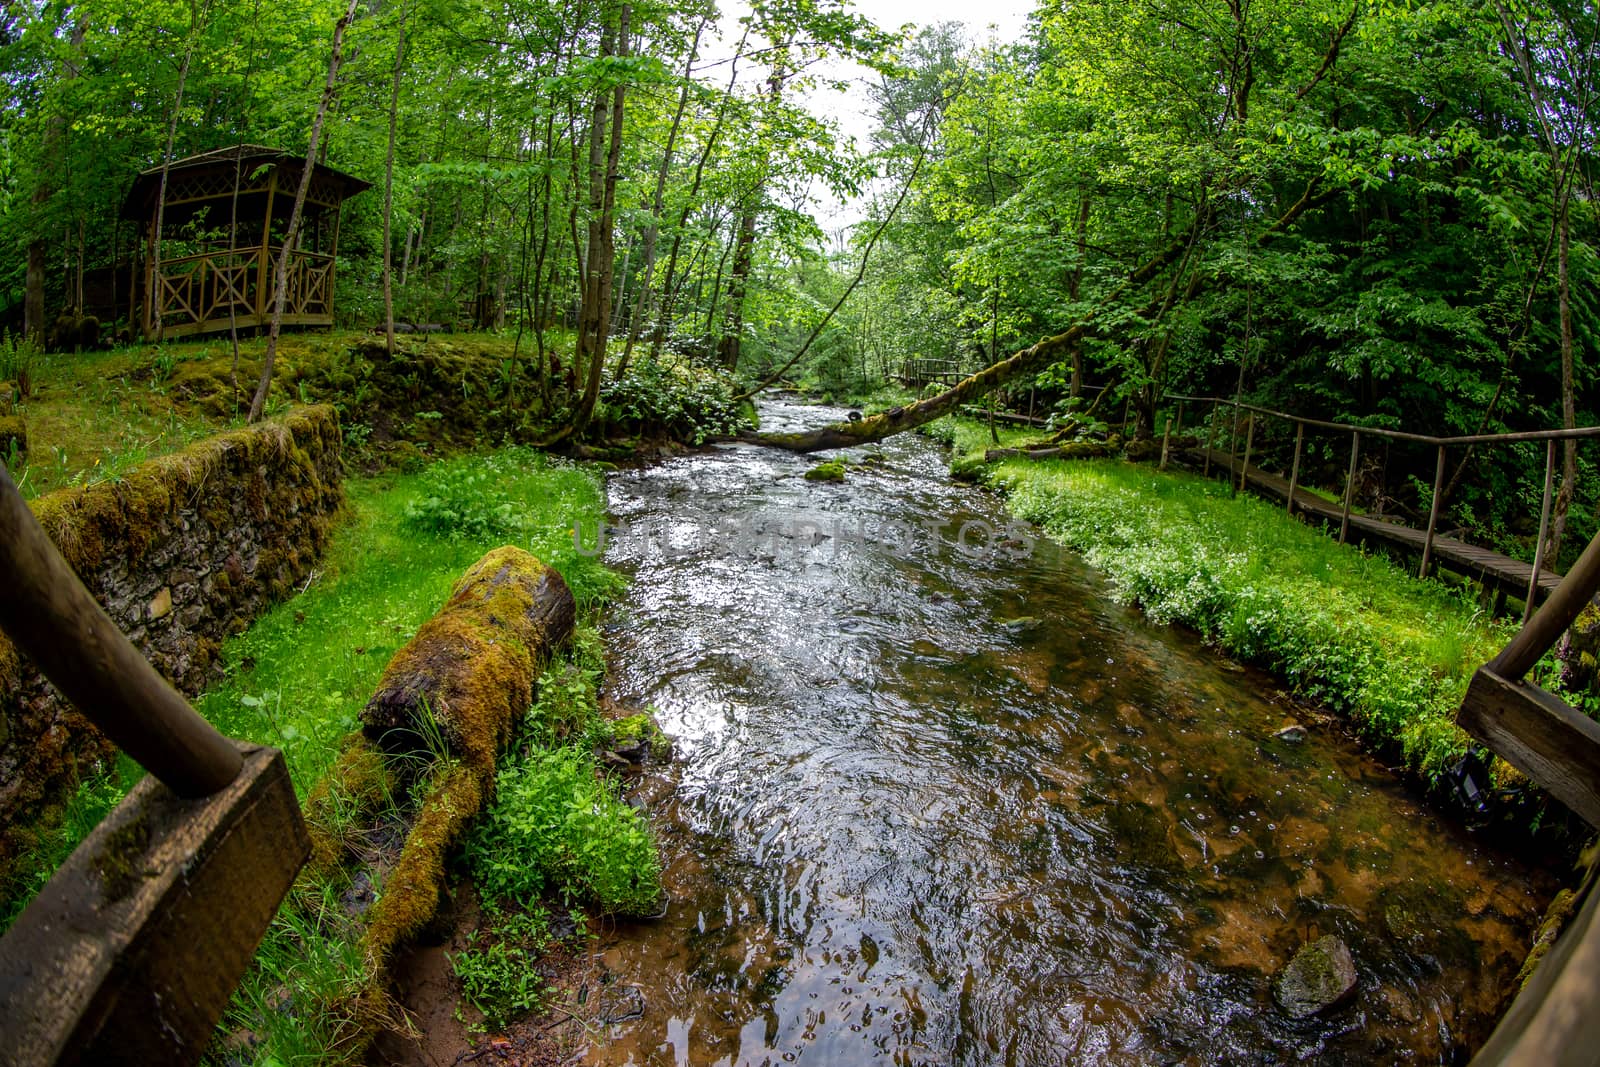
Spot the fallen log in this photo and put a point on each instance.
(909, 417)
(469, 671)
(1073, 450)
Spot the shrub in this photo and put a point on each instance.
(556, 826)
(677, 400)
(22, 362)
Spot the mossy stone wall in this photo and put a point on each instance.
(181, 552)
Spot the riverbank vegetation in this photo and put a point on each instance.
(298, 679)
(1345, 628)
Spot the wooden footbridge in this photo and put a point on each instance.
(1495, 571)
(1555, 1018)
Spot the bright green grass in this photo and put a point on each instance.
(299, 677)
(1343, 627)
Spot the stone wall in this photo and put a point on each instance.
(181, 552)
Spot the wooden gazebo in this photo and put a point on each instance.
(221, 230)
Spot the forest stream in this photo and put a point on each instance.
(940, 799)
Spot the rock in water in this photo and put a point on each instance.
(1320, 976)
(1292, 734)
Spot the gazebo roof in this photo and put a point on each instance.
(140, 201)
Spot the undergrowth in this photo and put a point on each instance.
(1345, 628)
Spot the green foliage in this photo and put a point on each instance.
(466, 502)
(296, 1000)
(498, 971)
(1344, 628)
(556, 826)
(22, 364)
(673, 398)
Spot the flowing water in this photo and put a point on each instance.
(938, 799)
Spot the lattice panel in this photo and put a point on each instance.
(210, 185)
(206, 288)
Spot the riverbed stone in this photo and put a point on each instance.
(1321, 975)
(1292, 734)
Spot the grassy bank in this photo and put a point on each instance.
(1343, 627)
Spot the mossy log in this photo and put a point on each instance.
(470, 670)
(1073, 450)
(1038, 355)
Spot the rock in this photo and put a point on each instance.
(13, 434)
(620, 1004)
(1023, 624)
(162, 604)
(832, 471)
(1292, 734)
(1320, 976)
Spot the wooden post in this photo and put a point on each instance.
(1294, 470)
(1211, 433)
(1166, 445)
(1349, 485)
(1433, 514)
(130, 953)
(1249, 442)
(51, 617)
(1557, 613)
(1233, 443)
(1544, 528)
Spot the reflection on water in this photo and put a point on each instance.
(941, 806)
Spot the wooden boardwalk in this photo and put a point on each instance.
(1492, 569)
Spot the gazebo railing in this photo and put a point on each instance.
(208, 291)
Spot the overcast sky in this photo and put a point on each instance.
(1003, 20)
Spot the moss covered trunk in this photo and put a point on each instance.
(469, 672)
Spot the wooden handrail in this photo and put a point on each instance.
(1400, 435)
(50, 615)
(1554, 616)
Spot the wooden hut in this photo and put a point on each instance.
(226, 212)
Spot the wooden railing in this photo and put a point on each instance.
(210, 291)
(1555, 1019)
(130, 953)
(915, 373)
(1442, 444)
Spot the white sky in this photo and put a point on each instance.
(1002, 20)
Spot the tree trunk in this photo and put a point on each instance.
(899, 419)
(644, 305)
(668, 291)
(388, 186)
(280, 276)
(1569, 411)
(738, 279)
(33, 322)
(602, 238)
(166, 160)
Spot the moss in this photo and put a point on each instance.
(637, 734)
(358, 784)
(411, 893)
(469, 671)
(119, 862)
(1561, 910)
(13, 436)
(831, 471)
